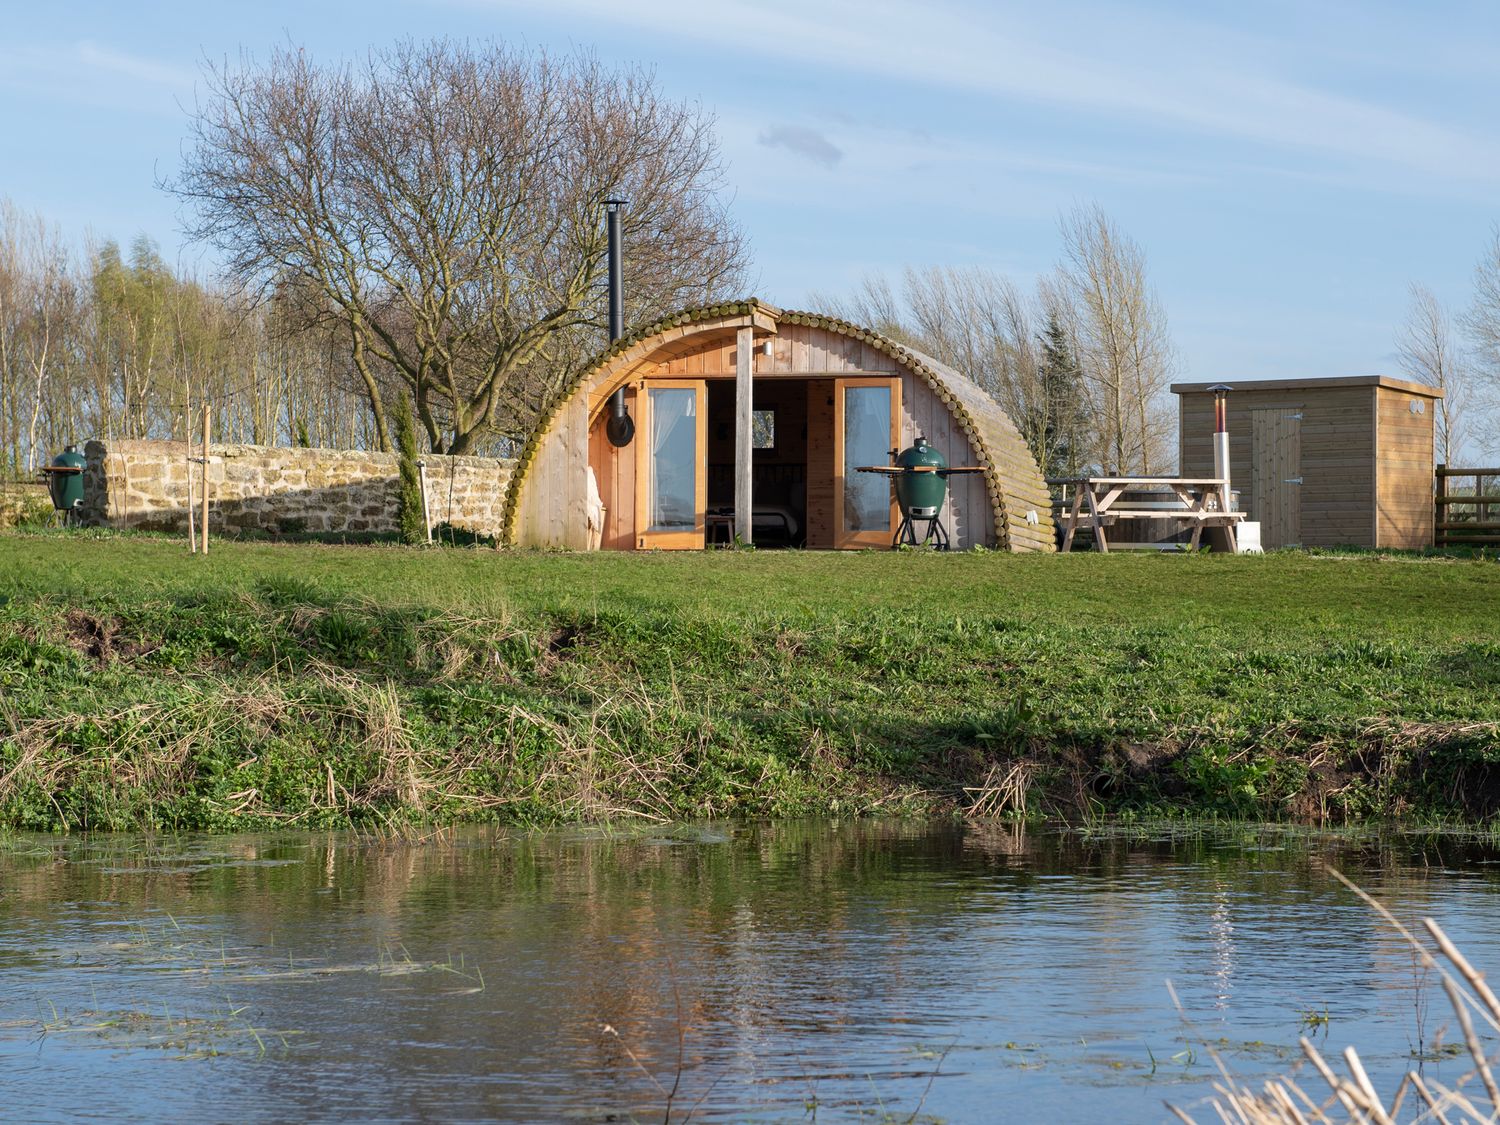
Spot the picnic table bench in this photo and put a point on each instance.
(1091, 501)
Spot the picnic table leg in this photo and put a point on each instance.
(1234, 543)
(1197, 535)
(1100, 543)
(1067, 544)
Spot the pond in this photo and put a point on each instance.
(804, 971)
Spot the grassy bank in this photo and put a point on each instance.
(327, 685)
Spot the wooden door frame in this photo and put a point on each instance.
(646, 539)
(853, 540)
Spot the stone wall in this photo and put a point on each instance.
(144, 484)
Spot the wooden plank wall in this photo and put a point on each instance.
(1338, 455)
(1404, 508)
(797, 350)
(554, 501)
(1023, 491)
(966, 510)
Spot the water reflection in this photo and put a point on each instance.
(744, 971)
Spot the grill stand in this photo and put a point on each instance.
(906, 532)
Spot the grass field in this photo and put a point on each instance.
(143, 687)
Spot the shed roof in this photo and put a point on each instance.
(1322, 383)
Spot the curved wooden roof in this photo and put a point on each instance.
(1017, 492)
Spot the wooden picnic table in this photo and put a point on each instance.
(1204, 502)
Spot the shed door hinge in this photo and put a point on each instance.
(1291, 480)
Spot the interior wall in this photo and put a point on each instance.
(778, 474)
(820, 479)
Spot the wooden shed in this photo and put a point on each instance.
(745, 407)
(1322, 462)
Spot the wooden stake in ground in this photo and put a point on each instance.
(187, 428)
(422, 479)
(205, 478)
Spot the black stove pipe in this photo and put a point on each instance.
(620, 428)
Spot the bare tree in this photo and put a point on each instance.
(13, 281)
(872, 305)
(443, 203)
(1010, 343)
(1428, 354)
(1481, 323)
(37, 300)
(1081, 365)
(1122, 334)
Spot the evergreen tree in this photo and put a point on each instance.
(1055, 430)
(409, 517)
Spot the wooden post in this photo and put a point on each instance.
(422, 480)
(744, 453)
(1074, 515)
(1439, 505)
(205, 477)
(187, 426)
(1100, 543)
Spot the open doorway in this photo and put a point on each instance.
(778, 464)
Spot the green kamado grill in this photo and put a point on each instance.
(920, 474)
(65, 480)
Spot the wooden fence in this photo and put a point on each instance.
(1468, 507)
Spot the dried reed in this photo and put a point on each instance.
(1352, 1097)
(1002, 791)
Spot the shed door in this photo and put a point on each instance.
(671, 480)
(866, 427)
(1276, 475)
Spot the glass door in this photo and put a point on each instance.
(671, 464)
(866, 427)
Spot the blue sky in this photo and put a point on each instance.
(1288, 167)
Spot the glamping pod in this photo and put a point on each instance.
(746, 410)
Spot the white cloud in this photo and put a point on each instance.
(95, 74)
(110, 61)
(1226, 87)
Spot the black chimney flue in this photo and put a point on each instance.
(620, 428)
